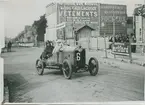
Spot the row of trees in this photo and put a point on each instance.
(36, 31)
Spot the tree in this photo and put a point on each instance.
(40, 27)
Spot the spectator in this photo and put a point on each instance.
(9, 45)
(133, 46)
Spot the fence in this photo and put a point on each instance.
(20, 44)
(91, 43)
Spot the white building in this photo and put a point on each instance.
(139, 23)
(2, 44)
(139, 27)
(83, 22)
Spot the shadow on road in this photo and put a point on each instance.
(13, 81)
(48, 72)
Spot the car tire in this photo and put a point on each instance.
(61, 71)
(67, 69)
(93, 66)
(39, 67)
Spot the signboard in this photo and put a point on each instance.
(110, 13)
(61, 25)
(120, 49)
(78, 13)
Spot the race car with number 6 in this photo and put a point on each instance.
(69, 59)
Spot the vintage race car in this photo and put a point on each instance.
(68, 59)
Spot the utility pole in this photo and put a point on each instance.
(130, 53)
(104, 42)
(113, 27)
(105, 46)
(73, 28)
(143, 32)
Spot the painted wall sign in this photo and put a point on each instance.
(79, 13)
(110, 13)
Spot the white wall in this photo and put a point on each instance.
(101, 43)
(84, 42)
(50, 30)
(138, 27)
(144, 29)
(1, 46)
(93, 43)
(1, 28)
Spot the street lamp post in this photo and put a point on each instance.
(113, 30)
(73, 35)
(113, 27)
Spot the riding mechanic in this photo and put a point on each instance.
(47, 51)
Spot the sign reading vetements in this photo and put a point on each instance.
(78, 13)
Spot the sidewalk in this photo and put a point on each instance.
(137, 58)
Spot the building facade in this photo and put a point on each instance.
(88, 17)
(139, 23)
(139, 27)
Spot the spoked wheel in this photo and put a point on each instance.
(93, 66)
(67, 69)
(61, 70)
(40, 67)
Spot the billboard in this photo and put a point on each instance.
(110, 13)
(78, 13)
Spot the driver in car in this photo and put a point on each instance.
(47, 51)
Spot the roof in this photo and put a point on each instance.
(83, 26)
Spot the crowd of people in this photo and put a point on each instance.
(123, 39)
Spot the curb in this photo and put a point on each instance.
(122, 60)
(114, 62)
(133, 62)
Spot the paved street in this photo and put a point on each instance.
(113, 83)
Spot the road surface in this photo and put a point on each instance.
(112, 83)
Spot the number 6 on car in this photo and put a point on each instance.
(78, 57)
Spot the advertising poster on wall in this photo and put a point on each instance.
(110, 13)
(77, 15)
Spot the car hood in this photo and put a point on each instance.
(68, 48)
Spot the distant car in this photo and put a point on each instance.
(68, 59)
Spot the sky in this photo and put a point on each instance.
(19, 13)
